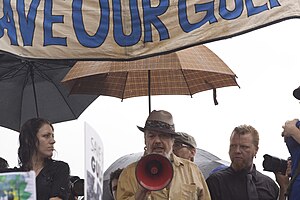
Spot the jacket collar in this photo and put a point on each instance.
(176, 160)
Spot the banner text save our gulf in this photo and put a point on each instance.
(118, 29)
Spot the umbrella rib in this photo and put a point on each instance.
(31, 66)
(48, 68)
(51, 68)
(24, 84)
(186, 82)
(125, 82)
(233, 78)
(43, 75)
(14, 69)
(12, 73)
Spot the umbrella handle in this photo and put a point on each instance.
(33, 87)
(215, 96)
(149, 92)
(214, 92)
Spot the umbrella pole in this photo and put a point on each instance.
(34, 92)
(149, 93)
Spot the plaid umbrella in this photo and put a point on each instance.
(32, 88)
(184, 72)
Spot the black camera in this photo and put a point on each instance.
(76, 187)
(274, 164)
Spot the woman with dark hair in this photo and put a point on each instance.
(35, 152)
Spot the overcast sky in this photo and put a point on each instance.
(267, 63)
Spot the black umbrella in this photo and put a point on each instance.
(207, 162)
(32, 88)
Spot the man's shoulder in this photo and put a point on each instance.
(55, 166)
(266, 181)
(178, 161)
(130, 167)
(222, 173)
(264, 177)
(185, 161)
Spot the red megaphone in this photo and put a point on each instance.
(154, 172)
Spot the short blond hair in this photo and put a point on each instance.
(246, 129)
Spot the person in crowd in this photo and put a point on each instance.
(185, 146)
(3, 164)
(283, 180)
(187, 183)
(35, 153)
(5, 194)
(113, 182)
(241, 180)
(291, 134)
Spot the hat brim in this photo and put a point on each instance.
(141, 129)
(184, 142)
(157, 129)
(296, 93)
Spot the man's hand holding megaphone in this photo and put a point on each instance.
(153, 172)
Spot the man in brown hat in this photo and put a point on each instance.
(187, 183)
(185, 146)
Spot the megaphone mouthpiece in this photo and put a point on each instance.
(154, 170)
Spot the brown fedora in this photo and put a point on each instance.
(159, 120)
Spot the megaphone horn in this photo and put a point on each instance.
(154, 172)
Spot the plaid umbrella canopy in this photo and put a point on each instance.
(184, 72)
(32, 88)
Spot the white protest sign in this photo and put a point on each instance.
(93, 164)
(17, 186)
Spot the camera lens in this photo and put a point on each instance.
(77, 186)
(274, 164)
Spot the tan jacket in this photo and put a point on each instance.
(188, 183)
